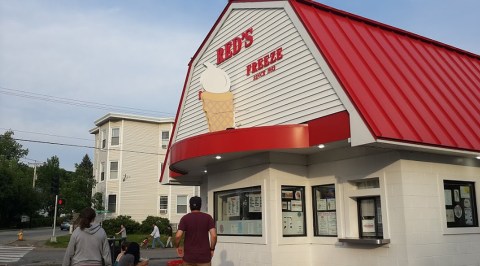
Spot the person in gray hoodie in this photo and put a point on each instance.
(88, 244)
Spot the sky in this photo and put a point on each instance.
(65, 64)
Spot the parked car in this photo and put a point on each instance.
(65, 225)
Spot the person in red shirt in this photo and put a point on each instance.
(198, 226)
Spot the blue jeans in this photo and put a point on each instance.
(155, 240)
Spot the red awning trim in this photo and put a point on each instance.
(323, 130)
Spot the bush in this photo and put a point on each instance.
(112, 226)
(147, 224)
(41, 222)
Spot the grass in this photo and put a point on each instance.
(62, 241)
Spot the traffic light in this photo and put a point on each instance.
(55, 185)
(61, 202)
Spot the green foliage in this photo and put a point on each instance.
(17, 196)
(40, 222)
(97, 201)
(147, 224)
(77, 190)
(112, 226)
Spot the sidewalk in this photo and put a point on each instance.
(159, 253)
(151, 254)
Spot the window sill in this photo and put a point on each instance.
(365, 241)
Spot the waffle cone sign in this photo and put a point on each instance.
(217, 99)
(218, 108)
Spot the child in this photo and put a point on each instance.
(122, 252)
(144, 243)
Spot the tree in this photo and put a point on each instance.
(78, 189)
(47, 173)
(16, 194)
(97, 201)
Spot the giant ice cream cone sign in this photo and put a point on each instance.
(217, 99)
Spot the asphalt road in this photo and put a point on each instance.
(42, 255)
(44, 233)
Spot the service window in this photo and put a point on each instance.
(293, 211)
(370, 217)
(460, 205)
(324, 210)
(239, 211)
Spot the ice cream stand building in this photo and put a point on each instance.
(319, 137)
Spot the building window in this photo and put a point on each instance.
(239, 211)
(324, 210)
(370, 217)
(104, 139)
(165, 137)
(163, 204)
(102, 171)
(113, 170)
(115, 136)
(181, 204)
(112, 203)
(460, 205)
(293, 211)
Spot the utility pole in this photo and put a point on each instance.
(53, 238)
(34, 171)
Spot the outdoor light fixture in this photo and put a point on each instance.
(321, 146)
(478, 157)
(218, 157)
(205, 171)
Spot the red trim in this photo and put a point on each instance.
(329, 128)
(323, 130)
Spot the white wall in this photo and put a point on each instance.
(412, 204)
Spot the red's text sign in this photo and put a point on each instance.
(234, 46)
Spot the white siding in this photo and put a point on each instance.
(296, 92)
(139, 156)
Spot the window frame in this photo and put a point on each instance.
(457, 230)
(319, 210)
(102, 171)
(243, 214)
(164, 141)
(458, 199)
(160, 202)
(285, 199)
(186, 204)
(117, 138)
(377, 208)
(114, 170)
(104, 139)
(110, 204)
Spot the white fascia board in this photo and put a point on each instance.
(140, 118)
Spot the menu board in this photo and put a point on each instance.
(293, 210)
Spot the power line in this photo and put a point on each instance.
(45, 134)
(82, 146)
(76, 102)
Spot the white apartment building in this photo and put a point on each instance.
(129, 153)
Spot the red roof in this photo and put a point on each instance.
(406, 87)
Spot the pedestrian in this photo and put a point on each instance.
(156, 236)
(132, 256)
(122, 231)
(198, 226)
(122, 252)
(88, 244)
(170, 234)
